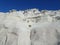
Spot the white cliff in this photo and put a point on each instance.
(30, 27)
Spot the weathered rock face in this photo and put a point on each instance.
(30, 27)
(46, 35)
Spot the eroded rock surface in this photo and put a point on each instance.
(30, 27)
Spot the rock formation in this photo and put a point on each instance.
(30, 27)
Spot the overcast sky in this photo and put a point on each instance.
(6, 5)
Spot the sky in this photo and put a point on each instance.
(6, 5)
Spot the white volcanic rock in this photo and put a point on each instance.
(30, 27)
